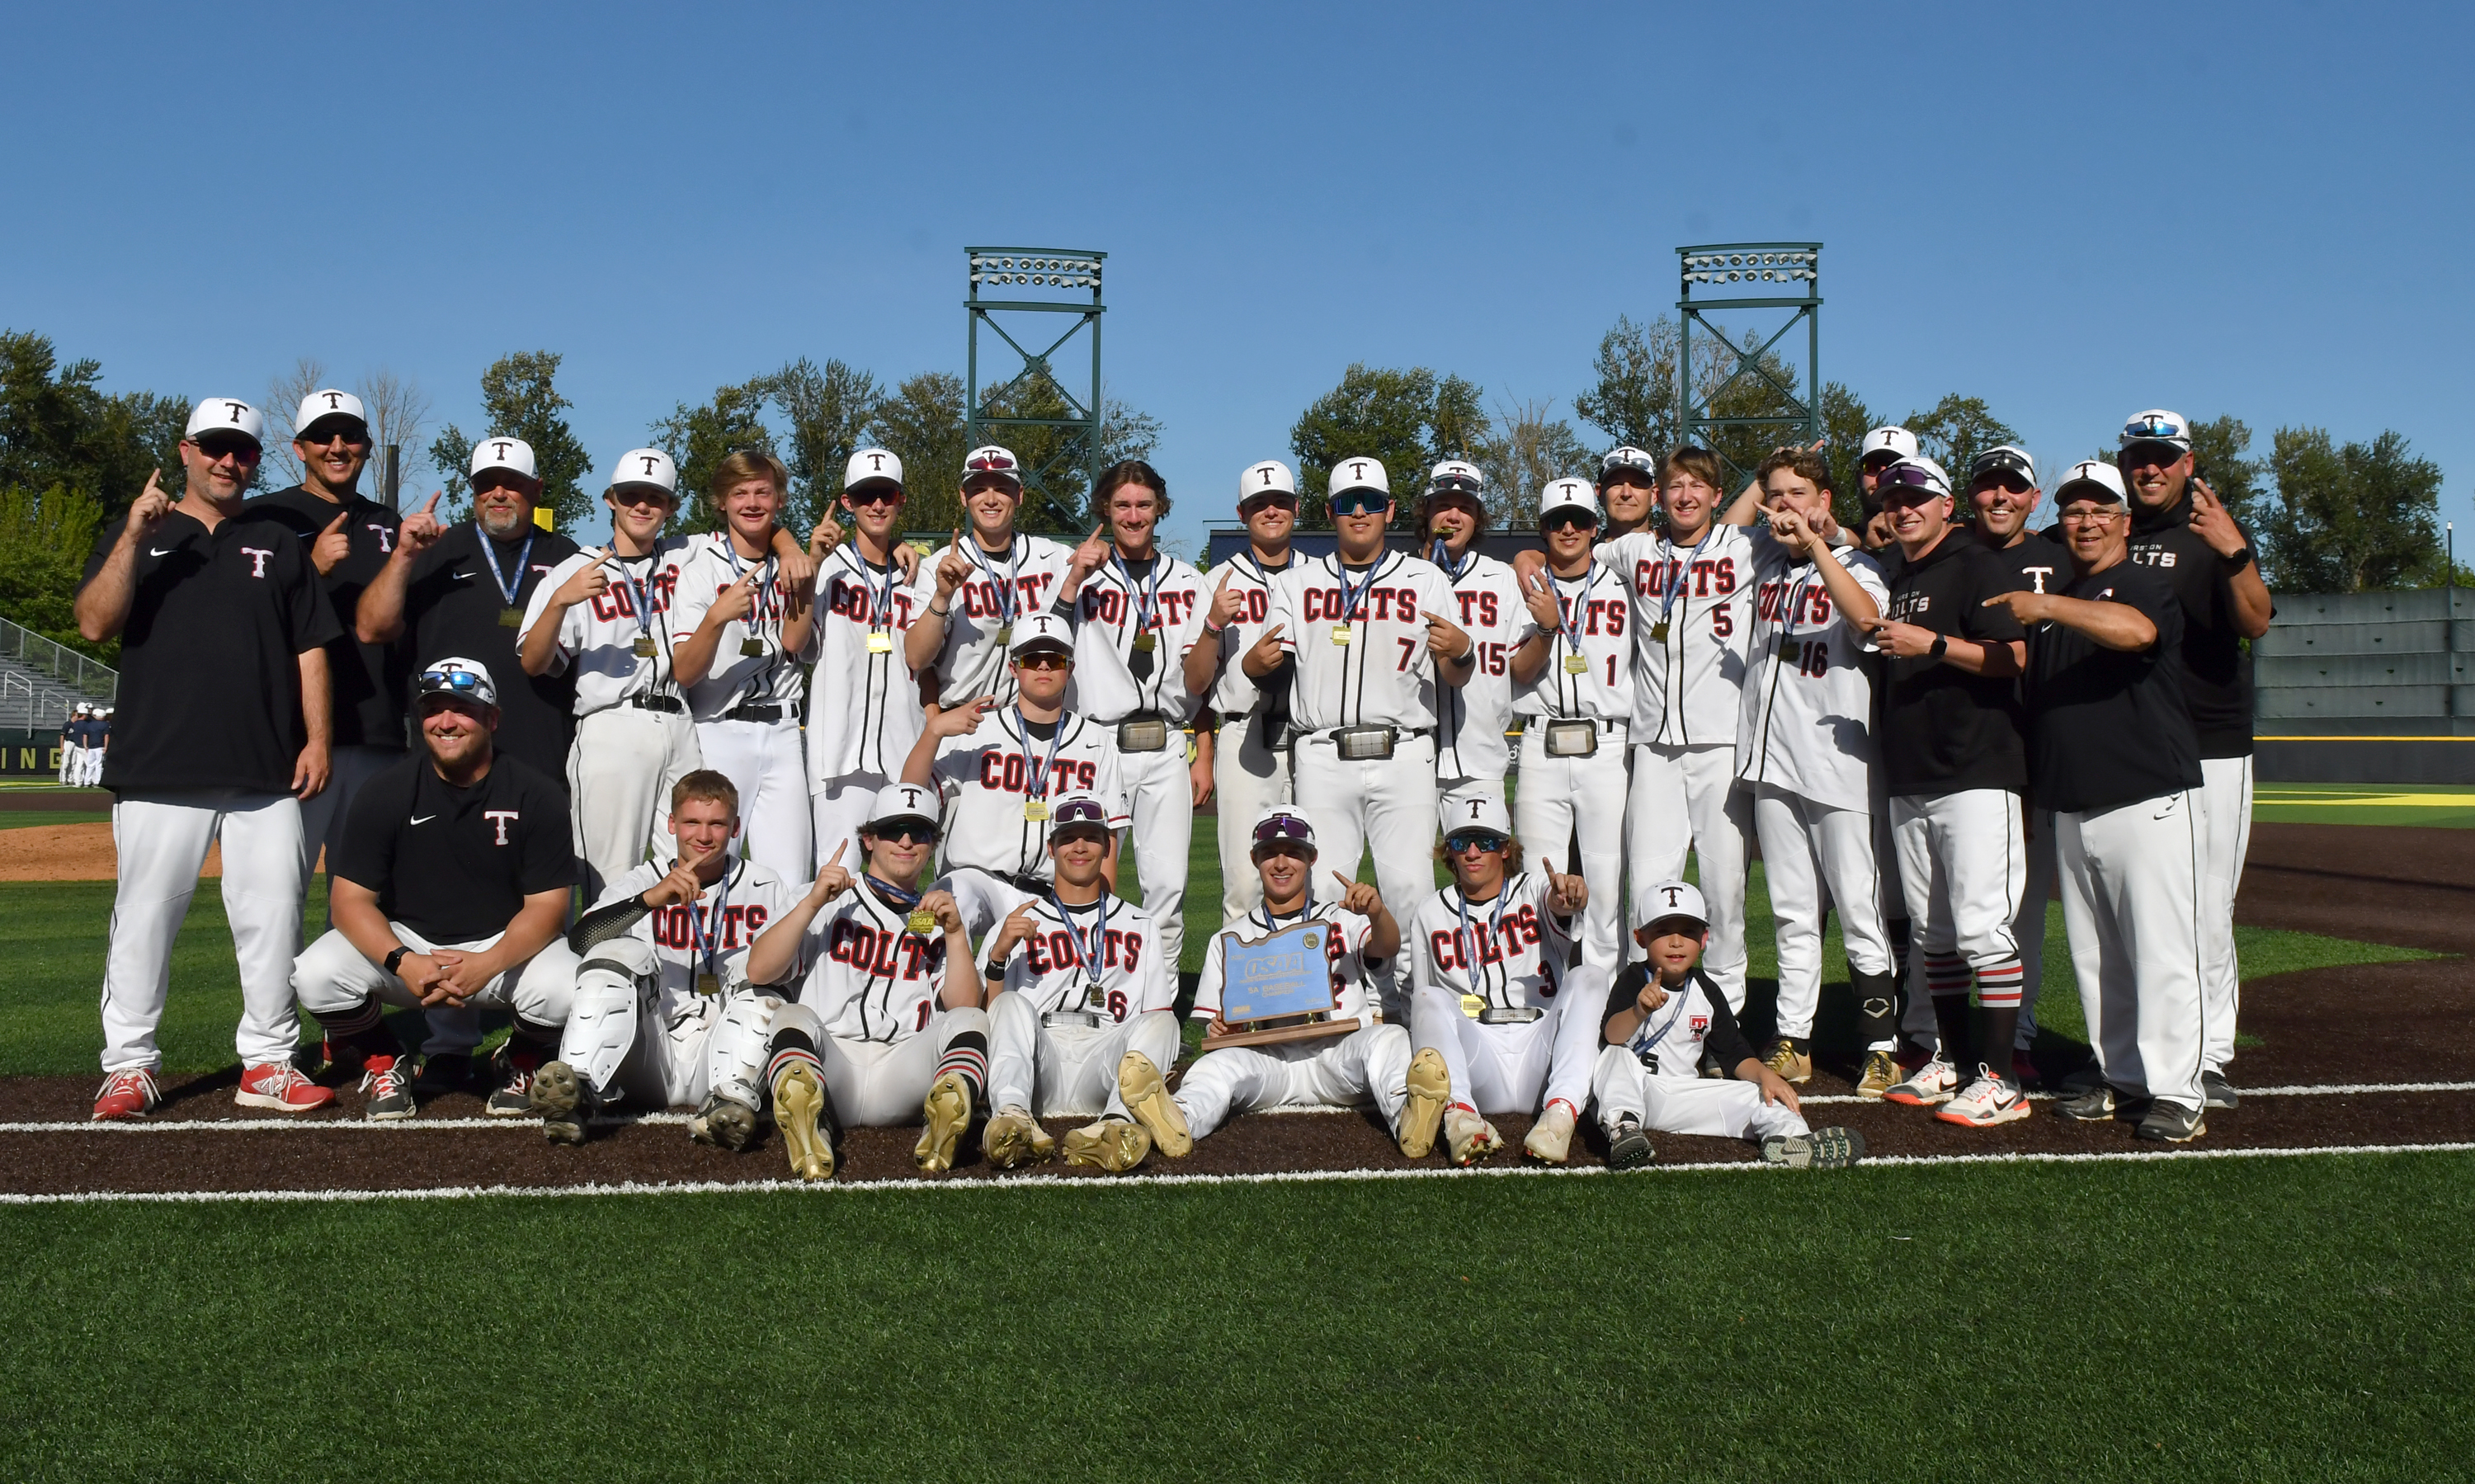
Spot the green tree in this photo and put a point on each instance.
(2351, 517)
(1521, 455)
(520, 397)
(1634, 399)
(920, 420)
(57, 427)
(2217, 449)
(1058, 498)
(831, 410)
(1953, 433)
(699, 438)
(45, 541)
(1846, 420)
(1411, 419)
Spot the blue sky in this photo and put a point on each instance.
(2075, 212)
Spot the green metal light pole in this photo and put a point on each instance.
(1038, 281)
(1728, 276)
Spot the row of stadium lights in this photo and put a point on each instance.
(1750, 267)
(1044, 272)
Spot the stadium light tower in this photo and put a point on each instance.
(1027, 288)
(1753, 402)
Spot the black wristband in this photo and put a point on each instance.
(2239, 560)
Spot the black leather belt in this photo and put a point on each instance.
(754, 714)
(669, 703)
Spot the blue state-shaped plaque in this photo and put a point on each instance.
(1284, 974)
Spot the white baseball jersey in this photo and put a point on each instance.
(1361, 641)
(1691, 607)
(1509, 951)
(713, 936)
(868, 711)
(1101, 958)
(1003, 588)
(1165, 605)
(991, 773)
(1353, 993)
(619, 641)
(1598, 629)
(1669, 1042)
(869, 978)
(1235, 694)
(1471, 718)
(1806, 724)
(737, 677)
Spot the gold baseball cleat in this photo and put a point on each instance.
(798, 1101)
(1147, 1095)
(1430, 1088)
(948, 1114)
(1116, 1145)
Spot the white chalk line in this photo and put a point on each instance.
(332, 1125)
(1163, 1182)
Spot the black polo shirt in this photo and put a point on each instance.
(370, 681)
(1945, 730)
(210, 657)
(2041, 563)
(451, 609)
(2107, 727)
(456, 864)
(2217, 667)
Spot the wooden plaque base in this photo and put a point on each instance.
(1308, 1030)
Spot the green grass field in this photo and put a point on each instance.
(2445, 806)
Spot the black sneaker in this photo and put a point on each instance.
(2095, 1105)
(448, 1071)
(387, 1082)
(1628, 1147)
(2172, 1123)
(2215, 1091)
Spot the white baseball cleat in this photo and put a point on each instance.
(1551, 1137)
(1472, 1138)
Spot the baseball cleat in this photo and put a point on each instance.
(514, 1095)
(387, 1082)
(2215, 1091)
(2172, 1123)
(1880, 1075)
(947, 1112)
(799, 1111)
(1112, 1144)
(1472, 1138)
(1628, 1147)
(559, 1101)
(1430, 1088)
(1820, 1149)
(1147, 1098)
(1551, 1137)
(1987, 1101)
(1794, 1067)
(2095, 1105)
(1929, 1085)
(724, 1123)
(131, 1093)
(276, 1087)
(1013, 1138)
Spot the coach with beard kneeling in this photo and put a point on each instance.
(452, 890)
(2112, 751)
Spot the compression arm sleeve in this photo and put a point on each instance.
(605, 922)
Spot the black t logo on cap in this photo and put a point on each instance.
(333, 401)
(649, 462)
(1672, 892)
(237, 410)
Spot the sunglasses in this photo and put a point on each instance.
(1044, 659)
(1081, 812)
(1566, 519)
(1360, 503)
(990, 464)
(2010, 479)
(2161, 428)
(1472, 840)
(906, 834)
(1912, 476)
(874, 495)
(344, 433)
(220, 447)
(1283, 829)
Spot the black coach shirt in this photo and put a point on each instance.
(2217, 668)
(2041, 563)
(456, 864)
(2107, 727)
(370, 681)
(210, 657)
(453, 607)
(1942, 729)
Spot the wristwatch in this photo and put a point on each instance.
(395, 959)
(2239, 560)
(1941, 647)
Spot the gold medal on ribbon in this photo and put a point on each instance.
(1576, 664)
(511, 618)
(643, 646)
(1034, 809)
(1005, 634)
(708, 983)
(1658, 632)
(922, 922)
(1146, 643)
(752, 646)
(1340, 633)
(879, 641)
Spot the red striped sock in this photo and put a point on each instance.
(1998, 984)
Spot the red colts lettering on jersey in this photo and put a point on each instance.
(1599, 616)
(1453, 947)
(1054, 949)
(1812, 608)
(1322, 605)
(980, 596)
(848, 600)
(674, 926)
(1010, 772)
(883, 953)
(1478, 609)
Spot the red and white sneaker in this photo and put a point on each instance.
(1991, 1099)
(127, 1094)
(274, 1085)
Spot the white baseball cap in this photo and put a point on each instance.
(1626, 456)
(508, 453)
(1359, 473)
(1271, 476)
(643, 465)
(1918, 471)
(993, 459)
(1043, 631)
(1283, 822)
(2097, 472)
(1677, 899)
(466, 679)
(82, 707)
(2010, 457)
(1456, 477)
(1562, 494)
(1480, 812)
(1898, 442)
(2157, 425)
(327, 403)
(226, 414)
(897, 802)
(874, 466)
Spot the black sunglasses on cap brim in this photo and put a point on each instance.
(905, 831)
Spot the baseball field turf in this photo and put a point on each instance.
(2253, 1316)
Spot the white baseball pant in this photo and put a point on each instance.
(763, 760)
(1558, 795)
(90, 766)
(1370, 1061)
(1515, 1068)
(620, 771)
(1067, 1071)
(1815, 854)
(1962, 865)
(331, 977)
(1388, 803)
(1715, 1107)
(1159, 796)
(2226, 804)
(619, 1039)
(2035, 894)
(161, 840)
(2132, 905)
(69, 761)
(884, 1084)
(1685, 798)
(842, 805)
(1247, 778)
(984, 900)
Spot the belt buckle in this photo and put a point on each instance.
(1060, 1018)
(1143, 734)
(1364, 744)
(1571, 739)
(1509, 1015)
